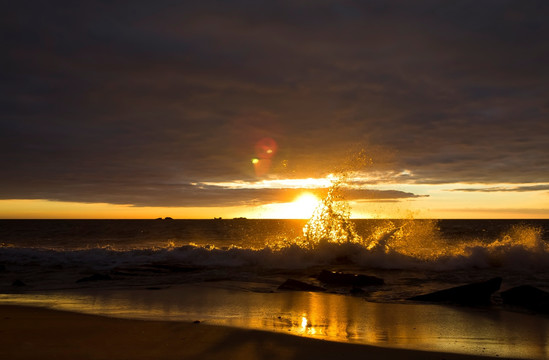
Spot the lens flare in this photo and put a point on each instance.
(265, 149)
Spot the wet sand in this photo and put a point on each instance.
(31, 333)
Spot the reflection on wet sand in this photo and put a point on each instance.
(319, 315)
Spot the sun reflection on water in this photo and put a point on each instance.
(318, 315)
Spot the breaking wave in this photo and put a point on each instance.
(409, 245)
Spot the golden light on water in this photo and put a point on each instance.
(304, 322)
(317, 315)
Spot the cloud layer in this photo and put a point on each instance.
(132, 102)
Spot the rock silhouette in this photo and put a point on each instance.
(471, 294)
(527, 297)
(18, 283)
(296, 285)
(345, 279)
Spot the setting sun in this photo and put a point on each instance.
(303, 206)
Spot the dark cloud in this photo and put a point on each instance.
(507, 189)
(381, 195)
(130, 102)
(155, 194)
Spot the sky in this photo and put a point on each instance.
(200, 109)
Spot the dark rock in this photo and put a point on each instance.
(344, 279)
(297, 285)
(196, 322)
(18, 283)
(527, 297)
(95, 277)
(470, 294)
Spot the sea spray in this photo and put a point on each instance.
(412, 237)
(520, 247)
(330, 221)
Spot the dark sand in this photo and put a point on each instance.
(38, 333)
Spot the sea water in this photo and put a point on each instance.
(413, 256)
(228, 272)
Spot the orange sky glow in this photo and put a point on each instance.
(436, 202)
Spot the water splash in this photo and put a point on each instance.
(420, 239)
(528, 237)
(521, 246)
(331, 221)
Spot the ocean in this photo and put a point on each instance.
(50, 254)
(228, 271)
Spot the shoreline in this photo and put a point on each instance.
(29, 332)
(328, 318)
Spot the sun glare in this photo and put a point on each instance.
(303, 206)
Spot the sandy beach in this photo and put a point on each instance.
(30, 333)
